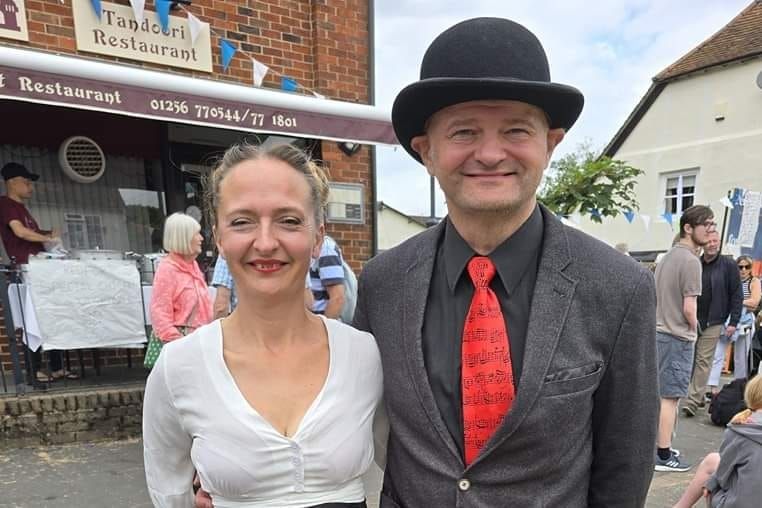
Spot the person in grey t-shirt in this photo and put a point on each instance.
(678, 284)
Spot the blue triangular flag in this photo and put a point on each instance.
(629, 215)
(162, 9)
(228, 49)
(595, 213)
(667, 217)
(97, 7)
(289, 84)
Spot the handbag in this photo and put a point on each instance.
(155, 343)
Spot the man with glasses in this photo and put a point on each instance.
(678, 284)
(721, 296)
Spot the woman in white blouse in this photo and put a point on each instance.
(272, 406)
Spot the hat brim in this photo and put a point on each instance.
(417, 102)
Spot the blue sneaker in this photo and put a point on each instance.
(671, 465)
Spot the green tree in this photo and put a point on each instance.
(596, 186)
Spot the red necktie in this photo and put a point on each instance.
(487, 375)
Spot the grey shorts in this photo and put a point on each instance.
(675, 365)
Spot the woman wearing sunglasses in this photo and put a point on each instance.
(752, 293)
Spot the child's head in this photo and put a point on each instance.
(753, 393)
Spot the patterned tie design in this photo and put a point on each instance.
(487, 375)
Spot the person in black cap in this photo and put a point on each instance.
(22, 237)
(519, 354)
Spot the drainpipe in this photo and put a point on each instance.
(372, 101)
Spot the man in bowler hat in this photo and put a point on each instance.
(519, 354)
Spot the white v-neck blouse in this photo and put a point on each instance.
(195, 417)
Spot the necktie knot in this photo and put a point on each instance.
(481, 270)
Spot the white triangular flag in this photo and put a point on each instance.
(138, 7)
(576, 218)
(196, 27)
(646, 220)
(260, 71)
(727, 202)
(319, 96)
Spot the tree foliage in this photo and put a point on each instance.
(596, 186)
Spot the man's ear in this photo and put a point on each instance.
(422, 145)
(555, 136)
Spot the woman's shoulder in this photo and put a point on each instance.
(349, 336)
(187, 349)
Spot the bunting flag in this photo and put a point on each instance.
(646, 221)
(97, 7)
(138, 7)
(319, 96)
(629, 215)
(227, 49)
(259, 70)
(726, 202)
(595, 213)
(162, 9)
(667, 217)
(196, 27)
(576, 218)
(288, 84)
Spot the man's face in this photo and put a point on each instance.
(488, 156)
(712, 246)
(702, 233)
(21, 187)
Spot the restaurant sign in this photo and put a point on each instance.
(13, 20)
(49, 88)
(119, 34)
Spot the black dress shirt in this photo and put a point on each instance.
(516, 261)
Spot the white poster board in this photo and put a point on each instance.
(87, 303)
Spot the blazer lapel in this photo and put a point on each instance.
(551, 300)
(416, 291)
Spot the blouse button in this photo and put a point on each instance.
(464, 484)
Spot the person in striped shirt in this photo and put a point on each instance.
(326, 280)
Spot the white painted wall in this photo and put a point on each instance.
(680, 132)
(394, 228)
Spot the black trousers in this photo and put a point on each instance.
(341, 505)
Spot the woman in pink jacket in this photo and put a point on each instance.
(180, 300)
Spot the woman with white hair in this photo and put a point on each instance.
(180, 300)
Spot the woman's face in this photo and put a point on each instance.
(744, 267)
(196, 243)
(266, 227)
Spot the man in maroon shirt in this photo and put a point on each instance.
(22, 237)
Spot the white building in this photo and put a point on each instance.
(696, 134)
(394, 227)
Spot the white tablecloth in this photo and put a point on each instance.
(26, 316)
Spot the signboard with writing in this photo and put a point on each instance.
(48, 88)
(744, 234)
(84, 304)
(118, 33)
(13, 20)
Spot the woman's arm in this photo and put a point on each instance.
(166, 444)
(162, 304)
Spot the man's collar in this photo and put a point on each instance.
(511, 258)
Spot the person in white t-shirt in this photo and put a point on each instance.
(273, 406)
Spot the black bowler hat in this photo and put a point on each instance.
(14, 169)
(483, 59)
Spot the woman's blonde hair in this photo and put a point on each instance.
(179, 230)
(752, 395)
(298, 159)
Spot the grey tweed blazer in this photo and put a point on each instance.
(582, 428)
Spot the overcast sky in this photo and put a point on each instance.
(608, 49)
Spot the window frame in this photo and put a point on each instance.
(679, 197)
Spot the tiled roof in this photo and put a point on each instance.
(741, 38)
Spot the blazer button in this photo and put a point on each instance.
(464, 485)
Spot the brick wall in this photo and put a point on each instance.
(66, 418)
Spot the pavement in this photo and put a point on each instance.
(109, 474)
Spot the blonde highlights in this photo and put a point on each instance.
(298, 159)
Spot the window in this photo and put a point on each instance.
(679, 191)
(85, 231)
